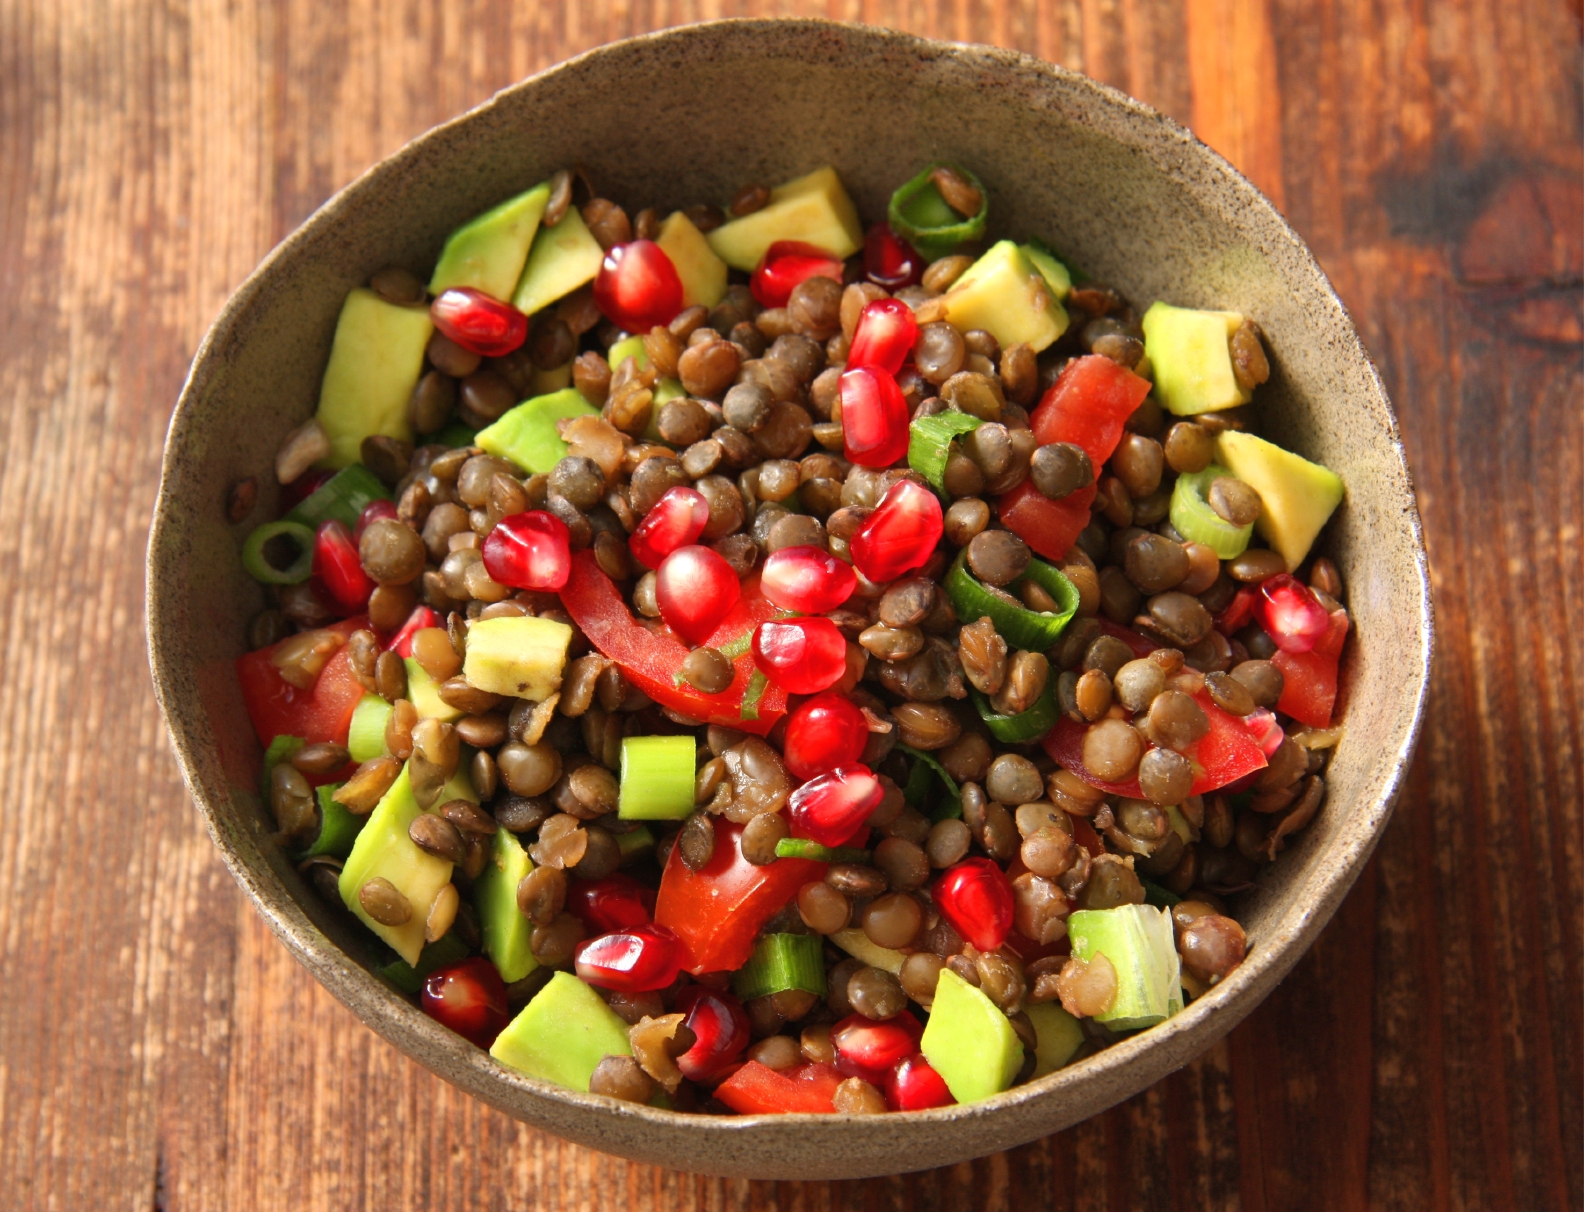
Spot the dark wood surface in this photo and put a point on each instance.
(158, 1049)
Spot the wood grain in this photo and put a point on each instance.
(158, 1050)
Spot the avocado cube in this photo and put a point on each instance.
(1058, 1033)
(366, 735)
(969, 1042)
(520, 657)
(506, 931)
(1192, 358)
(814, 209)
(423, 692)
(1142, 947)
(1054, 272)
(703, 274)
(527, 434)
(1299, 496)
(563, 258)
(1004, 294)
(375, 360)
(488, 252)
(562, 1034)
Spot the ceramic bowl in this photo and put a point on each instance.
(666, 120)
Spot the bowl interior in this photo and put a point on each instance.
(1125, 194)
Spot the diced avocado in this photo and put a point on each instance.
(1192, 359)
(703, 274)
(635, 842)
(1054, 272)
(409, 978)
(814, 209)
(506, 931)
(374, 365)
(366, 736)
(423, 692)
(1299, 496)
(338, 828)
(562, 1034)
(548, 382)
(384, 848)
(657, 776)
(521, 657)
(969, 1042)
(488, 252)
(563, 258)
(1006, 296)
(858, 945)
(1058, 1033)
(1139, 942)
(527, 434)
(628, 347)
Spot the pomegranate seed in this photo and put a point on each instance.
(883, 339)
(785, 264)
(616, 902)
(1267, 733)
(300, 489)
(976, 898)
(675, 520)
(824, 732)
(830, 809)
(529, 551)
(802, 656)
(900, 534)
(1290, 614)
(720, 1024)
(476, 322)
(470, 998)
(639, 959)
(638, 286)
(914, 1086)
(868, 1049)
(421, 617)
(889, 260)
(336, 564)
(808, 580)
(373, 513)
(695, 589)
(874, 417)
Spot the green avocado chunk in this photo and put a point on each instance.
(1055, 273)
(423, 692)
(520, 657)
(562, 1034)
(488, 252)
(375, 361)
(563, 258)
(1004, 294)
(1298, 497)
(366, 736)
(1142, 947)
(1058, 1033)
(506, 931)
(814, 209)
(338, 828)
(1192, 359)
(527, 434)
(969, 1042)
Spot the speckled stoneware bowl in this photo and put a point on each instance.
(691, 114)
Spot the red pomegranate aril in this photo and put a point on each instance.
(912, 1085)
(300, 489)
(695, 589)
(809, 580)
(720, 1025)
(373, 513)
(785, 264)
(421, 617)
(802, 656)
(478, 323)
(824, 732)
(336, 564)
(874, 417)
(529, 550)
(1267, 733)
(883, 339)
(900, 534)
(616, 902)
(865, 1047)
(830, 809)
(1290, 614)
(470, 998)
(677, 519)
(638, 287)
(639, 959)
(976, 898)
(889, 260)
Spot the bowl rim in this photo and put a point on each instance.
(1161, 1049)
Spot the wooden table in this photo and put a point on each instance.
(159, 1049)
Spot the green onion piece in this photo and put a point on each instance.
(737, 647)
(338, 828)
(929, 444)
(799, 847)
(1154, 894)
(281, 749)
(930, 762)
(752, 693)
(921, 780)
(343, 497)
(259, 567)
(780, 962)
(456, 434)
(635, 842)
(1198, 523)
(1027, 725)
(657, 778)
(1034, 631)
(366, 736)
(919, 215)
(447, 949)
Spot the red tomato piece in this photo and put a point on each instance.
(1049, 527)
(1309, 688)
(277, 708)
(418, 620)
(756, 1089)
(787, 264)
(1088, 405)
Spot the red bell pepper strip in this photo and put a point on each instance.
(1309, 688)
(756, 1089)
(420, 618)
(716, 911)
(1049, 527)
(650, 660)
(1224, 754)
(278, 708)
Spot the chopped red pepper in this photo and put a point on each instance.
(756, 1089)
(278, 708)
(1049, 527)
(1309, 687)
(717, 910)
(650, 660)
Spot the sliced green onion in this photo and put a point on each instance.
(343, 497)
(1198, 523)
(929, 444)
(366, 735)
(258, 565)
(921, 781)
(752, 693)
(928, 763)
(635, 842)
(657, 775)
(1154, 894)
(1027, 725)
(338, 828)
(780, 962)
(799, 847)
(919, 214)
(281, 749)
(456, 434)
(737, 647)
(447, 949)
(1034, 631)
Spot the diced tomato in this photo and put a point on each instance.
(418, 620)
(1224, 754)
(650, 660)
(756, 1089)
(1088, 405)
(278, 708)
(1309, 688)
(1049, 527)
(717, 910)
